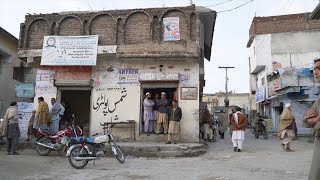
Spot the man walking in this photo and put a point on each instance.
(312, 120)
(286, 127)
(207, 125)
(174, 126)
(223, 124)
(238, 122)
(57, 111)
(148, 115)
(162, 120)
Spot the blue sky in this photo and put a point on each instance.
(230, 36)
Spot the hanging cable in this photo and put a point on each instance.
(219, 3)
(236, 7)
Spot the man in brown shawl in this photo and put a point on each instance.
(286, 127)
(43, 115)
(207, 121)
(312, 120)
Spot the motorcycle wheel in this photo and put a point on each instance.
(43, 151)
(265, 134)
(257, 134)
(117, 153)
(75, 153)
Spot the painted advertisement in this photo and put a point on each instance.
(274, 85)
(128, 76)
(114, 103)
(171, 29)
(24, 110)
(73, 73)
(159, 76)
(70, 50)
(260, 94)
(24, 90)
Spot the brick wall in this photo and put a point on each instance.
(137, 29)
(139, 26)
(70, 26)
(104, 26)
(284, 23)
(35, 33)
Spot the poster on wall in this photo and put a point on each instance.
(171, 29)
(189, 93)
(128, 76)
(44, 82)
(24, 90)
(69, 50)
(24, 111)
(260, 94)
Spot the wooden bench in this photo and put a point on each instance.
(132, 126)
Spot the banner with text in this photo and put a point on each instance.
(69, 50)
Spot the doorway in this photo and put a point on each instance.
(171, 94)
(77, 102)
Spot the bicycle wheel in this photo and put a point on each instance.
(77, 152)
(117, 153)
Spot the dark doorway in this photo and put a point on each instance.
(171, 93)
(77, 102)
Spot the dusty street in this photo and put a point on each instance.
(261, 159)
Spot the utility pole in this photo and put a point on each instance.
(226, 100)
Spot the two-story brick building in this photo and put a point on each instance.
(102, 63)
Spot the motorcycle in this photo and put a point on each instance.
(47, 141)
(83, 150)
(261, 129)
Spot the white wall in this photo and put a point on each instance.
(260, 51)
(129, 108)
(296, 48)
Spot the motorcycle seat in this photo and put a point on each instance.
(82, 139)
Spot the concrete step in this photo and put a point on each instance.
(149, 149)
(161, 150)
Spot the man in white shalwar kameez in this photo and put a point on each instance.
(238, 122)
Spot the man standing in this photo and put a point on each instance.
(11, 130)
(174, 126)
(238, 122)
(162, 119)
(57, 111)
(148, 115)
(223, 124)
(286, 127)
(43, 115)
(207, 125)
(312, 120)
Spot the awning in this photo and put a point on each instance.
(208, 17)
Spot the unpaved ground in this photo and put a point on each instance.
(260, 160)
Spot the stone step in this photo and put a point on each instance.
(149, 149)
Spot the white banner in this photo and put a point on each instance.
(69, 50)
